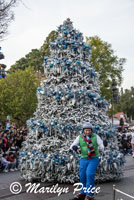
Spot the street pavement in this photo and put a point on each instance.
(126, 184)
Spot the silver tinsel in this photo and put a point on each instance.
(68, 98)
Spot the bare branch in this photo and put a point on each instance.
(6, 15)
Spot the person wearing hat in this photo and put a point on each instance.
(89, 143)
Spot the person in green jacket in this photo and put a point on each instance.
(89, 143)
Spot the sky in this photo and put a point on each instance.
(111, 20)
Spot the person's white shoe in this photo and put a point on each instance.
(15, 169)
(5, 170)
(133, 155)
(12, 170)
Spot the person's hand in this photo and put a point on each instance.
(74, 148)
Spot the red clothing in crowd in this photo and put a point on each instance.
(10, 158)
(5, 142)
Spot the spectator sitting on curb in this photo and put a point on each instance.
(12, 159)
(11, 138)
(5, 163)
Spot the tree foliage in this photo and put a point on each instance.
(126, 103)
(18, 95)
(6, 15)
(35, 58)
(109, 66)
(45, 50)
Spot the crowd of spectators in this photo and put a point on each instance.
(11, 139)
(125, 138)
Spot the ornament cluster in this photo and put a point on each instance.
(66, 99)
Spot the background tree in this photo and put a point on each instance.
(6, 15)
(102, 59)
(21, 64)
(2, 71)
(106, 63)
(18, 95)
(126, 103)
(33, 59)
(45, 50)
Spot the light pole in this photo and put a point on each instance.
(114, 96)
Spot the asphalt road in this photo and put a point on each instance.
(126, 184)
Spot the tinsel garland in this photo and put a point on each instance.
(66, 99)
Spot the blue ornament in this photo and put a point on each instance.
(99, 99)
(71, 95)
(45, 155)
(54, 123)
(82, 68)
(92, 74)
(45, 59)
(57, 160)
(45, 129)
(89, 47)
(75, 48)
(64, 46)
(68, 63)
(59, 28)
(78, 34)
(66, 33)
(41, 124)
(87, 69)
(67, 126)
(54, 93)
(38, 89)
(79, 128)
(78, 62)
(62, 162)
(51, 65)
(57, 97)
(58, 62)
(91, 95)
(59, 43)
(97, 127)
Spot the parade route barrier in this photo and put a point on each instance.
(117, 190)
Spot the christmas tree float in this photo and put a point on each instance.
(68, 98)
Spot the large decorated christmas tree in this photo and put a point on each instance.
(66, 99)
